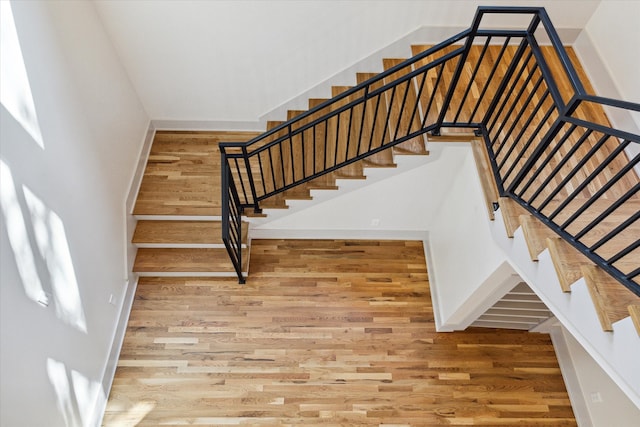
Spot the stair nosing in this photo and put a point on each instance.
(182, 245)
(160, 217)
(188, 273)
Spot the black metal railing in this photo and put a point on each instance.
(551, 148)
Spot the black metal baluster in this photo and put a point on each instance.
(417, 104)
(583, 161)
(490, 78)
(601, 191)
(364, 112)
(471, 79)
(552, 153)
(433, 95)
(504, 83)
(375, 121)
(239, 174)
(525, 104)
(404, 102)
(531, 138)
(510, 111)
(348, 145)
(293, 162)
(386, 122)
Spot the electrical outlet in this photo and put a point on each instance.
(596, 397)
(112, 300)
(375, 222)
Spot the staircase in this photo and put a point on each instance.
(366, 126)
(611, 301)
(178, 232)
(396, 113)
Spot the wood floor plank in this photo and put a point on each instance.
(324, 333)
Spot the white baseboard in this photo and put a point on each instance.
(570, 376)
(116, 345)
(277, 233)
(196, 125)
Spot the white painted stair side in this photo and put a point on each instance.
(616, 352)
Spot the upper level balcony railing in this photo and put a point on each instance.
(552, 148)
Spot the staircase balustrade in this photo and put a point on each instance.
(551, 148)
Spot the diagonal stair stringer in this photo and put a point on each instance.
(616, 352)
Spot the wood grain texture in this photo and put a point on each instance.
(402, 117)
(567, 261)
(182, 176)
(195, 233)
(535, 234)
(511, 212)
(324, 333)
(611, 300)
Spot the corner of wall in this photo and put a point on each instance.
(131, 280)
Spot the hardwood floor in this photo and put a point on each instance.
(327, 333)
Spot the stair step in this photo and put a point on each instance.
(610, 299)
(167, 233)
(511, 212)
(184, 261)
(634, 311)
(535, 234)
(567, 261)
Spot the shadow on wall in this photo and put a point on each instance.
(37, 237)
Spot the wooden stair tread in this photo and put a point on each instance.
(610, 299)
(535, 234)
(487, 181)
(511, 212)
(181, 232)
(567, 261)
(195, 260)
(155, 208)
(634, 311)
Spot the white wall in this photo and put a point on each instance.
(238, 60)
(464, 258)
(63, 216)
(403, 202)
(608, 49)
(603, 402)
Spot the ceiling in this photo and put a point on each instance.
(237, 60)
